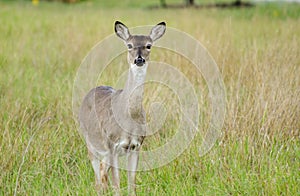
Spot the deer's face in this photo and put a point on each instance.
(139, 46)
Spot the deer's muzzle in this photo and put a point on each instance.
(139, 61)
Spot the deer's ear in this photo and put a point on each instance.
(122, 31)
(158, 31)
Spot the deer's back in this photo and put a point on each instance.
(96, 119)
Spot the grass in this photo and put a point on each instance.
(257, 51)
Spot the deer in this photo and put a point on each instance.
(112, 121)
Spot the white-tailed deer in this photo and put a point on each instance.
(113, 121)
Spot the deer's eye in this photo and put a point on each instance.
(148, 46)
(129, 46)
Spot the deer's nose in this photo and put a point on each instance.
(139, 61)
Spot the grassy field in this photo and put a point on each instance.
(257, 51)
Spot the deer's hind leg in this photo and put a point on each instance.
(104, 168)
(115, 174)
(101, 172)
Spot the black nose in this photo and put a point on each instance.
(139, 61)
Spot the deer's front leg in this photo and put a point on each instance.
(133, 158)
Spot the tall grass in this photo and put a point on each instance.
(257, 53)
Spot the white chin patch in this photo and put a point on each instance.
(139, 72)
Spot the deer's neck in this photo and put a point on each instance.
(134, 90)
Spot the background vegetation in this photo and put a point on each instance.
(257, 51)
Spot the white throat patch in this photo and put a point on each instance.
(139, 73)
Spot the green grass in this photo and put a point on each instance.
(257, 51)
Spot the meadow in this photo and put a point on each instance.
(257, 52)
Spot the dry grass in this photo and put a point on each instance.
(258, 56)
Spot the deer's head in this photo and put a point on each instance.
(139, 46)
